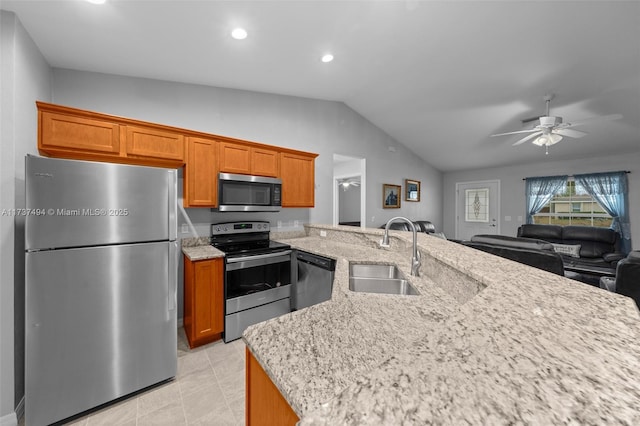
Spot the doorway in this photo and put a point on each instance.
(477, 208)
(349, 190)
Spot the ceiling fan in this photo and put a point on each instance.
(550, 130)
(347, 182)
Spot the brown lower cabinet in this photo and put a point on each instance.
(203, 301)
(265, 405)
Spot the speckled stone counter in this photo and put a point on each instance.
(199, 249)
(487, 341)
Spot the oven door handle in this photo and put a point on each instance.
(235, 263)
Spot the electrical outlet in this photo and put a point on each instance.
(185, 228)
(296, 223)
(279, 224)
(507, 218)
(323, 233)
(373, 218)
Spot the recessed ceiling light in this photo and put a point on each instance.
(239, 34)
(327, 58)
(97, 1)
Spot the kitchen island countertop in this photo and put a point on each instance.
(487, 341)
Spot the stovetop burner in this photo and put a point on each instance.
(244, 239)
(252, 248)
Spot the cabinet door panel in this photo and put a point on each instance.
(298, 180)
(265, 405)
(204, 318)
(152, 143)
(235, 158)
(200, 177)
(75, 133)
(203, 301)
(264, 162)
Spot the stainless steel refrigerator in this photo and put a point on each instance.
(101, 278)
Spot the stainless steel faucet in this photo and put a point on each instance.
(415, 257)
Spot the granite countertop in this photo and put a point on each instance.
(487, 341)
(199, 249)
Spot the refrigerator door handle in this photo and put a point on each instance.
(173, 204)
(172, 282)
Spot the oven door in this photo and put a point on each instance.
(255, 280)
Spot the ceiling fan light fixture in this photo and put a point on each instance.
(547, 139)
(327, 58)
(239, 33)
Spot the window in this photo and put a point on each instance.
(572, 205)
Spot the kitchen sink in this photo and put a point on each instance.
(374, 271)
(387, 279)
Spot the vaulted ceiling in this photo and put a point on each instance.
(438, 76)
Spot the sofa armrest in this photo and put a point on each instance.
(612, 258)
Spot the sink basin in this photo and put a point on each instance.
(374, 271)
(387, 279)
(382, 285)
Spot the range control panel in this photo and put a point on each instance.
(239, 227)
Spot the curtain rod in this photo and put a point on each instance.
(626, 171)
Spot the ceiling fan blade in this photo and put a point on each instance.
(593, 120)
(515, 133)
(570, 133)
(526, 138)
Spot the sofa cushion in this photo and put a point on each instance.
(547, 260)
(589, 233)
(507, 241)
(550, 233)
(572, 250)
(595, 242)
(634, 256)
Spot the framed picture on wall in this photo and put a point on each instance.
(391, 196)
(411, 190)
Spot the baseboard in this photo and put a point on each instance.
(9, 420)
(20, 409)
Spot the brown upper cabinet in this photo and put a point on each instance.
(248, 160)
(73, 133)
(87, 136)
(200, 173)
(144, 142)
(84, 135)
(297, 171)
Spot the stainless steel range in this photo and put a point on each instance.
(258, 271)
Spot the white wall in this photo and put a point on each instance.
(512, 187)
(25, 77)
(322, 127)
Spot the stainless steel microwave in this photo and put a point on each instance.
(244, 193)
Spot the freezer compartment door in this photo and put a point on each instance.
(100, 324)
(74, 203)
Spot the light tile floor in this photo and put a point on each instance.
(209, 389)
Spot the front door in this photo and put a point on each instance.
(477, 208)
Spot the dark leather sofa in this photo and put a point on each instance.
(532, 252)
(599, 247)
(627, 280)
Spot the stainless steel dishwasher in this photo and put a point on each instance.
(315, 279)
